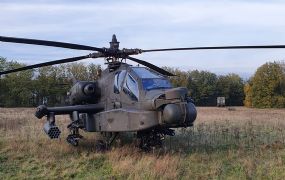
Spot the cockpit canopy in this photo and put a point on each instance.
(151, 80)
(139, 78)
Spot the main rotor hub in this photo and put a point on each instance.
(114, 55)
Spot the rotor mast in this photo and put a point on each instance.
(114, 44)
(113, 50)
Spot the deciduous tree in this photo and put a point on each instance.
(268, 86)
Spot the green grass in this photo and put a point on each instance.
(29, 165)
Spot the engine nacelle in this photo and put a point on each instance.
(178, 109)
(84, 92)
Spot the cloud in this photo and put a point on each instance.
(148, 24)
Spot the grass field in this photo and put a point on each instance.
(240, 143)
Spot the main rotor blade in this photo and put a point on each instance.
(61, 61)
(49, 43)
(151, 66)
(219, 47)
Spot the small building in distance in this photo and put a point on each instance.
(221, 101)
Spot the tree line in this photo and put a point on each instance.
(204, 86)
(266, 88)
(47, 84)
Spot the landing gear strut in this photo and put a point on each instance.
(109, 137)
(152, 138)
(74, 126)
(74, 137)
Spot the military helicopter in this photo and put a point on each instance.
(125, 98)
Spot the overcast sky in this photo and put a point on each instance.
(150, 24)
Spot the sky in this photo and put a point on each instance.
(149, 24)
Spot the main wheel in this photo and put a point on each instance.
(72, 140)
(100, 146)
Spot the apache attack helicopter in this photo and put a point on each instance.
(124, 99)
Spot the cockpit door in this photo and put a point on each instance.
(130, 91)
(117, 89)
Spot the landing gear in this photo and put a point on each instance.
(100, 146)
(152, 138)
(74, 136)
(109, 137)
(73, 140)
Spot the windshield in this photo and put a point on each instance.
(158, 83)
(151, 80)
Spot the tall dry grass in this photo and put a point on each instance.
(241, 143)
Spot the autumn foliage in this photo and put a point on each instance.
(266, 89)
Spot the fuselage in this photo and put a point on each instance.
(137, 98)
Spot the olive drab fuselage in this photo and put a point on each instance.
(135, 111)
(124, 103)
(124, 99)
